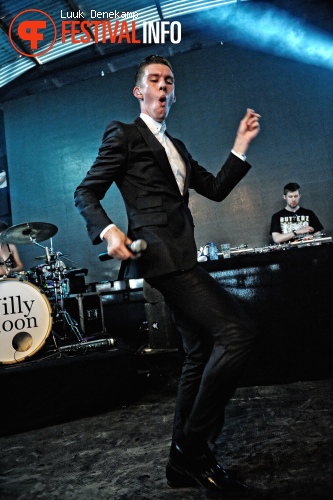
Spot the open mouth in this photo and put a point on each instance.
(162, 98)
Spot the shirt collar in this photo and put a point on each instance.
(154, 126)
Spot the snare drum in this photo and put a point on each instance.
(25, 320)
(19, 275)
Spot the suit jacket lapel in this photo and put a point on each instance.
(159, 152)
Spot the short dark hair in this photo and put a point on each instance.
(3, 225)
(291, 186)
(152, 59)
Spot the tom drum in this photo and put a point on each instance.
(25, 320)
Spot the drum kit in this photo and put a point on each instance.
(32, 303)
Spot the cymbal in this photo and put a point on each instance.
(76, 272)
(28, 232)
(52, 256)
(44, 257)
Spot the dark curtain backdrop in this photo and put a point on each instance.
(52, 139)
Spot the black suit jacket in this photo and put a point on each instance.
(132, 157)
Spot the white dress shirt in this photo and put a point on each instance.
(176, 161)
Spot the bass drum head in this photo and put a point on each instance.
(25, 320)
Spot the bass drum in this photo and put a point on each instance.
(25, 320)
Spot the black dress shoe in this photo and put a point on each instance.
(206, 472)
(177, 479)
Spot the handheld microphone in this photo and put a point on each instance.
(137, 246)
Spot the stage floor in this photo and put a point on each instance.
(278, 436)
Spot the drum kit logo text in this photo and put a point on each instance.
(25, 320)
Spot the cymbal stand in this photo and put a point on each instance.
(34, 241)
(59, 304)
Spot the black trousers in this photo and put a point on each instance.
(218, 340)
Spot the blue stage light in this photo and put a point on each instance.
(271, 30)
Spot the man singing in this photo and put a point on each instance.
(154, 173)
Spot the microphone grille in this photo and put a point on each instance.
(138, 246)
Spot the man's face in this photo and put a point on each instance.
(292, 198)
(156, 91)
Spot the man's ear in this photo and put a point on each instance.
(137, 92)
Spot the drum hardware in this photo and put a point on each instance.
(50, 274)
(19, 275)
(65, 319)
(54, 284)
(52, 256)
